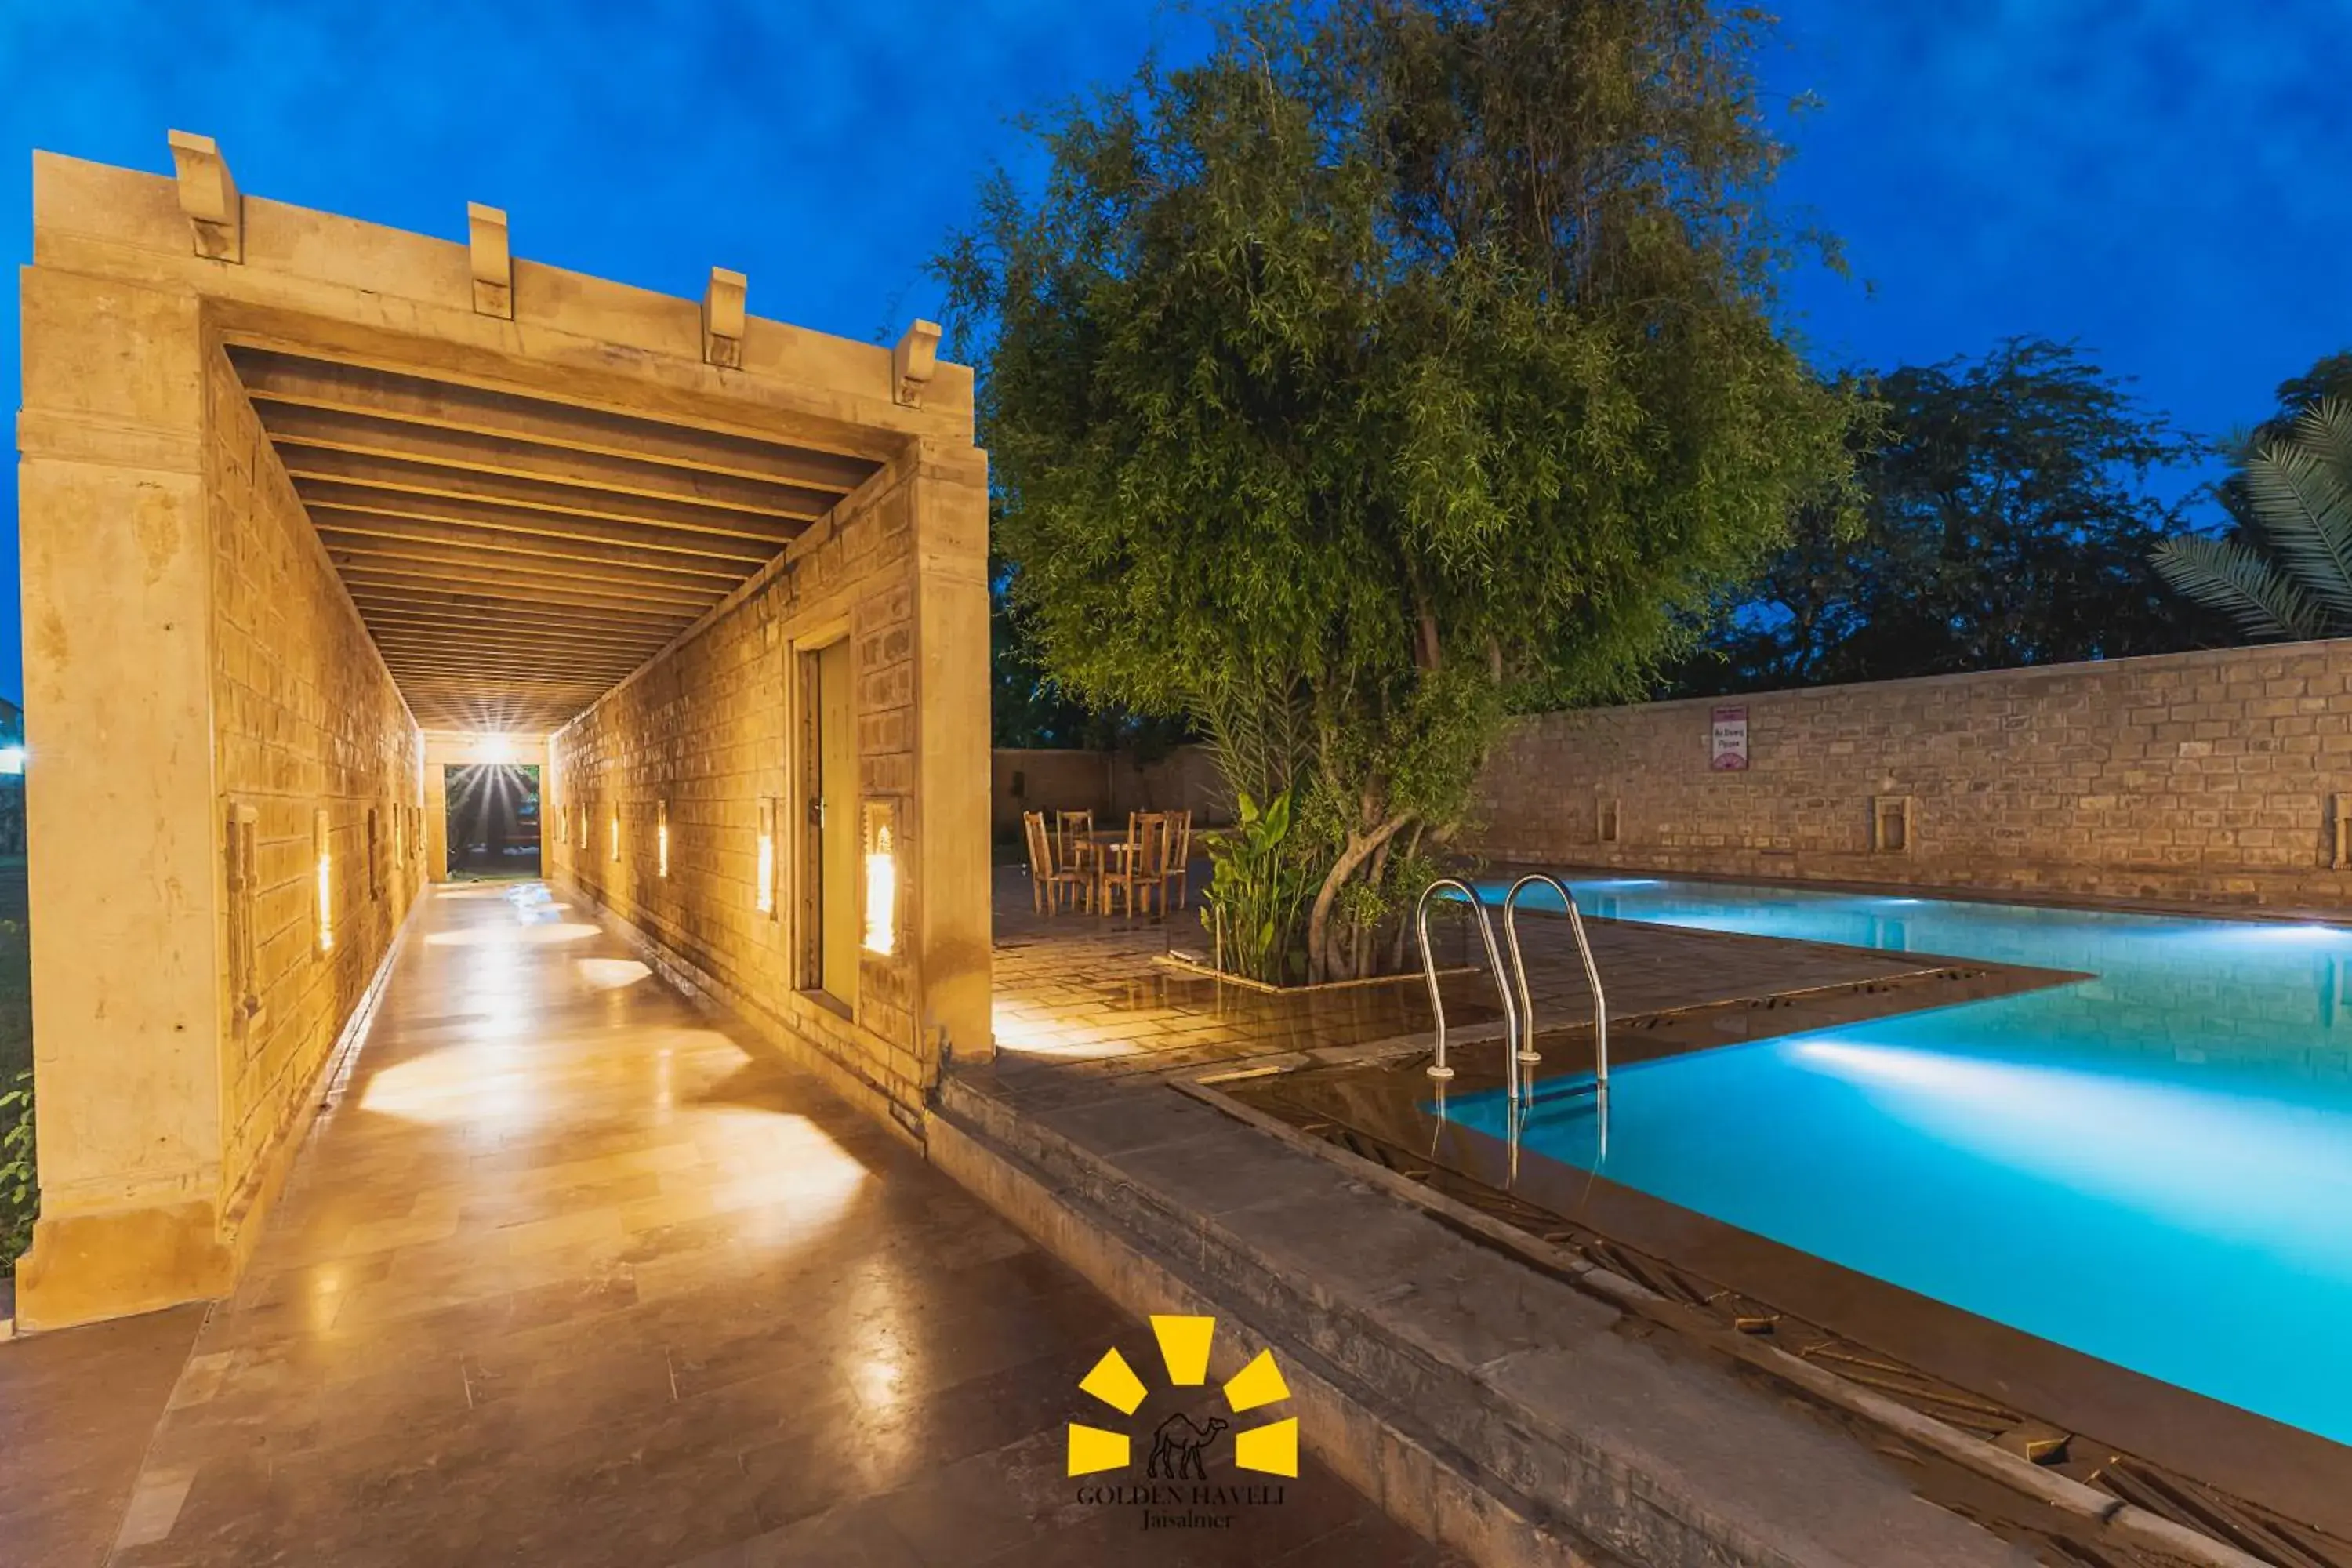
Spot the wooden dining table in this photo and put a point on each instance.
(1103, 846)
(1098, 849)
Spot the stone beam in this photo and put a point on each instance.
(722, 319)
(491, 263)
(913, 362)
(208, 196)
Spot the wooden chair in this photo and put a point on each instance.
(1047, 876)
(1141, 869)
(1179, 865)
(1074, 842)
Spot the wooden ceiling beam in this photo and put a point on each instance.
(397, 477)
(360, 436)
(586, 638)
(534, 721)
(517, 660)
(517, 587)
(553, 620)
(459, 688)
(344, 528)
(623, 581)
(756, 539)
(444, 685)
(582, 661)
(295, 380)
(515, 610)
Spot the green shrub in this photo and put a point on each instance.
(20, 1198)
(1255, 892)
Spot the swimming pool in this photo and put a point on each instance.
(2153, 1167)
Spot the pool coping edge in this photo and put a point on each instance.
(2136, 1525)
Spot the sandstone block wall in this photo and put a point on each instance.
(1108, 783)
(2203, 777)
(305, 719)
(705, 740)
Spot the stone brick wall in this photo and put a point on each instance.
(706, 735)
(305, 718)
(1109, 783)
(2185, 778)
(1046, 779)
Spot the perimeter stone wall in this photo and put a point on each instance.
(2207, 777)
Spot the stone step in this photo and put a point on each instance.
(1496, 1408)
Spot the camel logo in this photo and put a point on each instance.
(1176, 1448)
(1179, 1443)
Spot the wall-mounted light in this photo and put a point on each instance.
(494, 748)
(764, 885)
(614, 830)
(661, 839)
(321, 853)
(880, 836)
(12, 759)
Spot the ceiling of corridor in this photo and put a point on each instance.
(514, 557)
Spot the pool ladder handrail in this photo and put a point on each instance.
(1526, 1009)
(1438, 1069)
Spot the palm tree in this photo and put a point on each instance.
(2289, 572)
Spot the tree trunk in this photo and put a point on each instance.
(1404, 917)
(1360, 847)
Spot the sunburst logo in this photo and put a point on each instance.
(1271, 1448)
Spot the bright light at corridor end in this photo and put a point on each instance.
(496, 748)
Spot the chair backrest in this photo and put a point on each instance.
(1147, 843)
(1180, 842)
(1041, 844)
(1071, 828)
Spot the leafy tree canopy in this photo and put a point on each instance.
(1402, 360)
(2287, 571)
(2278, 565)
(2006, 521)
(1029, 708)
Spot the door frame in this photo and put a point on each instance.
(805, 770)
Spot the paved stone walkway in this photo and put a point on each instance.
(566, 1276)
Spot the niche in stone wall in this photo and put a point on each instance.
(1604, 827)
(1890, 823)
(2340, 857)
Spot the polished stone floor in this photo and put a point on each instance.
(566, 1276)
(76, 1412)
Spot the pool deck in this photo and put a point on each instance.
(1088, 1022)
(1077, 992)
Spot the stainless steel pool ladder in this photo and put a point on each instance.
(1438, 1069)
(1518, 1004)
(1527, 1018)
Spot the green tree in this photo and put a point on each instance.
(2007, 520)
(1028, 708)
(1401, 361)
(2286, 569)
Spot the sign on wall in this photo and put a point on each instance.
(1728, 740)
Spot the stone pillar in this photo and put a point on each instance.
(125, 883)
(436, 813)
(953, 930)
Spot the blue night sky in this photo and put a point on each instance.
(2162, 182)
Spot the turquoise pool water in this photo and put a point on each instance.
(2153, 1167)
